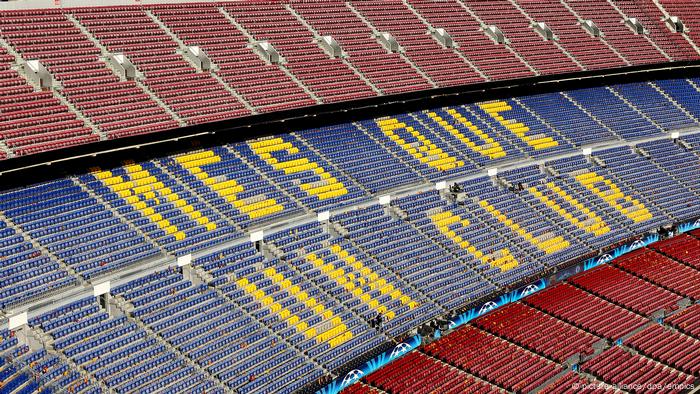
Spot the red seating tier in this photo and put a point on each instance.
(618, 366)
(668, 346)
(636, 48)
(326, 77)
(591, 52)
(586, 311)
(687, 321)
(687, 10)
(623, 289)
(167, 73)
(74, 44)
(264, 86)
(498, 61)
(572, 382)
(684, 248)
(661, 270)
(537, 331)
(442, 65)
(387, 71)
(541, 54)
(493, 359)
(418, 373)
(649, 15)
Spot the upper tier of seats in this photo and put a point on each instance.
(91, 100)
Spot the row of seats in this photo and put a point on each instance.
(618, 366)
(683, 248)
(414, 257)
(118, 351)
(662, 271)
(74, 45)
(590, 313)
(538, 332)
(296, 308)
(214, 332)
(672, 348)
(686, 321)
(114, 106)
(25, 370)
(623, 289)
(419, 373)
(466, 236)
(342, 269)
(493, 359)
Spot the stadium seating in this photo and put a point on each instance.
(375, 168)
(109, 219)
(670, 347)
(90, 101)
(493, 359)
(27, 272)
(650, 182)
(683, 248)
(538, 332)
(568, 381)
(388, 72)
(467, 237)
(440, 64)
(414, 257)
(418, 373)
(195, 96)
(591, 313)
(684, 9)
(499, 62)
(591, 52)
(623, 289)
(278, 263)
(329, 79)
(76, 227)
(662, 271)
(673, 160)
(559, 112)
(117, 350)
(677, 90)
(209, 329)
(686, 321)
(651, 17)
(164, 210)
(516, 27)
(237, 65)
(363, 284)
(232, 187)
(636, 48)
(615, 114)
(619, 366)
(114, 106)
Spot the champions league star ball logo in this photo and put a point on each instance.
(352, 377)
(529, 290)
(489, 306)
(399, 350)
(637, 244)
(604, 259)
